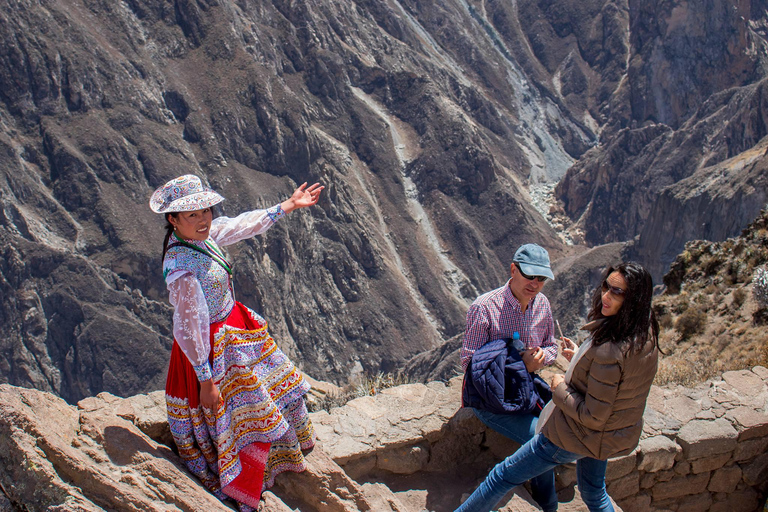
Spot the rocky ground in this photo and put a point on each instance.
(408, 448)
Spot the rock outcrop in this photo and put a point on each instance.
(409, 448)
(710, 320)
(680, 154)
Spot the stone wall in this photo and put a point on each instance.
(703, 449)
(407, 449)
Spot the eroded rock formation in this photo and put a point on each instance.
(437, 128)
(680, 153)
(417, 118)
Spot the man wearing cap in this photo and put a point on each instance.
(517, 307)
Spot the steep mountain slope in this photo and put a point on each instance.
(438, 128)
(692, 98)
(420, 123)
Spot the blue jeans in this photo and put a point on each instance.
(533, 458)
(521, 428)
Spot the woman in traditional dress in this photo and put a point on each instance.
(235, 401)
(596, 411)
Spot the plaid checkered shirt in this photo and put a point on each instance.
(497, 314)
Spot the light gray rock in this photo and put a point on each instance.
(745, 382)
(682, 408)
(749, 422)
(621, 466)
(725, 479)
(624, 487)
(761, 371)
(61, 457)
(680, 486)
(405, 460)
(706, 464)
(701, 438)
(397, 417)
(325, 486)
(658, 453)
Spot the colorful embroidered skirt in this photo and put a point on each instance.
(261, 425)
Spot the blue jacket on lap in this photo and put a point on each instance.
(497, 381)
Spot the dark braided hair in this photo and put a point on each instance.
(635, 322)
(168, 230)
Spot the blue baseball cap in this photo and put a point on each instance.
(533, 260)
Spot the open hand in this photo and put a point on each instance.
(302, 197)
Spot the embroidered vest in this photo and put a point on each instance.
(213, 276)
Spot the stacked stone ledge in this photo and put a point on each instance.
(408, 448)
(703, 449)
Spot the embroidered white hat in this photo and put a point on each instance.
(183, 194)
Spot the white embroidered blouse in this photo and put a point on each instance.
(200, 289)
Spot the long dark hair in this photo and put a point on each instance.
(168, 230)
(635, 322)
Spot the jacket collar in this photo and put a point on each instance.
(593, 325)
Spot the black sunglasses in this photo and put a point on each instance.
(615, 290)
(540, 279)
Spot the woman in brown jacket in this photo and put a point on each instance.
(597, 408)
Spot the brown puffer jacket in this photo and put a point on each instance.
(600, 414)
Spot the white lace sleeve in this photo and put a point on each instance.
(191, 325)
(227, 231)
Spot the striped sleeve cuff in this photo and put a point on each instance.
(276, 212)
(203, 371)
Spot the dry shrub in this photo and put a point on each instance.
(760, 286)
(368, 385)
(710, 263)
(682, 304)
(684, 372)
(692, 321)
(739, 296)
(666, 321)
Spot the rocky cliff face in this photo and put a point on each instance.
(710, 319)
(417, 117)
(678, 157)
(435, 126)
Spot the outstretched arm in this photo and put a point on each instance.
(227, 231)
(302, 197)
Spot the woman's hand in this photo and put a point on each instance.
(557, 379)
(302, 197)
(567, 348)
(209, 395)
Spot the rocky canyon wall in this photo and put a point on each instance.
(438, 129)
(417, 118)
(679, 154)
